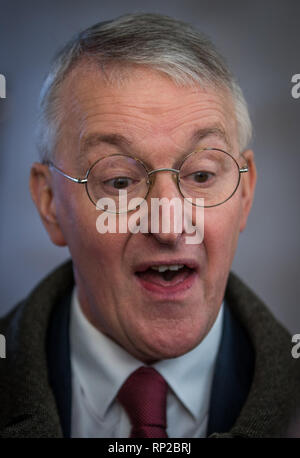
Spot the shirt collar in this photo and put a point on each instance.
(102, 366)
(190, 375)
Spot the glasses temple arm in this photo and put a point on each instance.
(75, 180)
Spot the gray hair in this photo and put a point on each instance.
(159, 42)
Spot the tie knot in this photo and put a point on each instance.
(143, 395)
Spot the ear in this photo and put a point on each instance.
(248, 182)
(42, 194)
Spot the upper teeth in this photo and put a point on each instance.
(164, 268)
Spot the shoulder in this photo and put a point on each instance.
(38, 303)
(274, 394)
(25, 394)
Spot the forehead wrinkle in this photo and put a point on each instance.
(90, 107)
(163, 123)
(146, 103)
(213, 127)
(118, 103)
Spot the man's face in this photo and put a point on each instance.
(148, 117)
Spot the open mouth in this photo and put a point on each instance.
(166, 275)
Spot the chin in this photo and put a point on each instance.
(170, 346)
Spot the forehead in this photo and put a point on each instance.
(141, 105)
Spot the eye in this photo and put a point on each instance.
(202, 176)
(119, 182)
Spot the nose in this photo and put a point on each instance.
(164, 183)
(165, 207)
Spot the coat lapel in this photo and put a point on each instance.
(233, 375)
(59, 361)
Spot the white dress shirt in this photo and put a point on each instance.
(100, 367)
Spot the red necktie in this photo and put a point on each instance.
(143, 395)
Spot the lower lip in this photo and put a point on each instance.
(169, 292)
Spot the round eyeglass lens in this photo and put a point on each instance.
(209, 174)
(109, 177)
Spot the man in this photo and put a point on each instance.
(144, 334)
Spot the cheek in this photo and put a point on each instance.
(221, 231)
(77, 218)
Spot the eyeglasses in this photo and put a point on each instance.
(208, 173)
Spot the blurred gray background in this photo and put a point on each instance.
(261, 41)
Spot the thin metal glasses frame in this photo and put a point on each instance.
(150, 182)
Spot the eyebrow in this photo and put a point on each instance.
(96, 139)
(112, 139)
(121, 141)
(202, 134)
